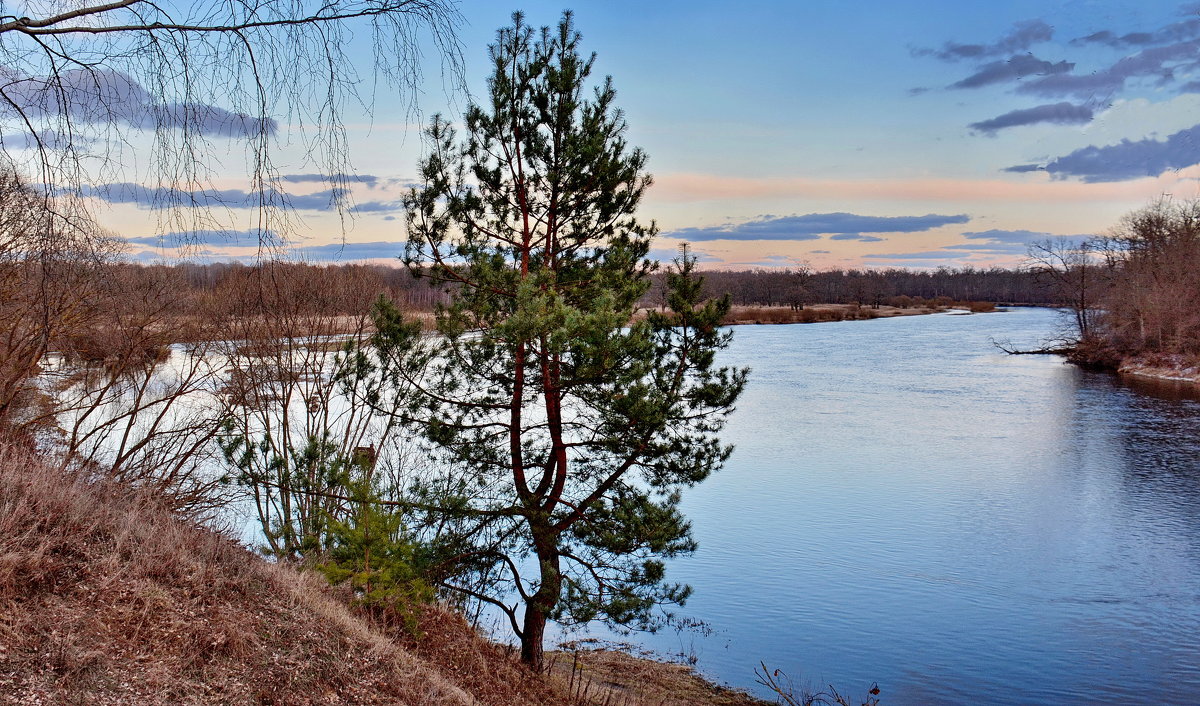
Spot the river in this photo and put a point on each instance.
(910, 506)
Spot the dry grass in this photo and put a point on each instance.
(490, 671)
(815, 313)
(105, 598)
(616, 678)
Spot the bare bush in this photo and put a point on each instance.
(310, 399)
(786, 690)
(52, 266)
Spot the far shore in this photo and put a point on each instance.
(332, 330)
(820, 313)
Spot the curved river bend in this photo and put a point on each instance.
(910, 506)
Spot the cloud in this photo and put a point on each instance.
(155, 197)
(251, 237)
(682, 188)
(1023, 35)
(345, 252)
(1174, 32)
(1128, 159)
(668, 254)
(338, 178)
(378, 207)
(856, 236)
(1057, 113)
(813, 225)
(103, 96)
(1012, 69)
(326, 200)
(192, 256)
(1157, 62)
(1022, 168)
(768, 261)
(46, 139)
(926, 255)
(1008, 236)
(151, 197)
(1006, 242)
(819, 252)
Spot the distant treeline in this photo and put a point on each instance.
(395, 282)
(894, 287)
(776, 287)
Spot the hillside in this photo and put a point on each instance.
(107, 599)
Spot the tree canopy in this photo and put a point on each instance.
(566, 420)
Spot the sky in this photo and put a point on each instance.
(819, 133)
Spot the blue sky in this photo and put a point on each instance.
(878, 134)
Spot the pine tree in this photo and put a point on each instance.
(371, 548)
(567, 422)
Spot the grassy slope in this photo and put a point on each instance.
(107, 599)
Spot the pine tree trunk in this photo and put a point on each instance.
(532, 650)
(540, 605)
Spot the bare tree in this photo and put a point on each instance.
(1154, 303)
(1074, 275)
(132, 391)
(51, 269)
(83, 85)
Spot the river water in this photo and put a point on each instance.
(910, 506)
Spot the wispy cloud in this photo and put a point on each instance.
(1056, 113)
(103, 96)
(924, 255)
(151, 197)
(154, 197)
(1161, 64)
(692, 187)
(209, 237)
(813, 225)
(1007, 242)
(1170, 33)
(347, 252)
(856, 236)
(45, 139)
(1126, 160)
(1022, 36)
(1012, 69)
(338, 178)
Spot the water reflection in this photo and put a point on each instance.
(909, 505)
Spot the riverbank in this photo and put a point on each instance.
(1163, 367)
(109, 599)
(820, 313)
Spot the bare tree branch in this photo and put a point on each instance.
(133, 92)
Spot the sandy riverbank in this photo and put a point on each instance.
(1167, 368)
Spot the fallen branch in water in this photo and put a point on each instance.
(1045, 350)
